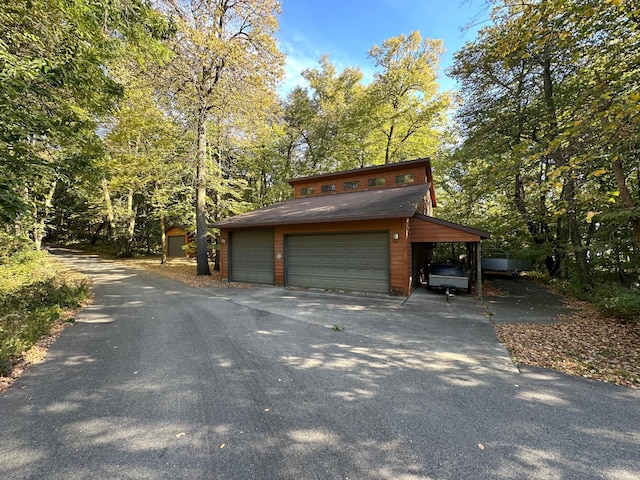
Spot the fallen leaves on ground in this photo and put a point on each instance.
(181, 269)
(584, 343)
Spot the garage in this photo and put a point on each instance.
(347, 261)
(251, 256)
(362, 230)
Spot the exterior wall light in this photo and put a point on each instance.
(396, 236)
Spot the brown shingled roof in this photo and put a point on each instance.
(366, 205)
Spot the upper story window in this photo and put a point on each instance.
(328, 188)
(376, 182)
(406, 178)
(306, 191)
(352, 185)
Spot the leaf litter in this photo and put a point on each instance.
(584, 343)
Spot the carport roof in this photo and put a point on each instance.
(452, 226)
(400, 202)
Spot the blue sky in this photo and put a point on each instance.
(347, 29)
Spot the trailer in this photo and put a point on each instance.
(449, 277)
(504, 262)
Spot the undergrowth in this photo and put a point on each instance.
(34, 290)
(607, 295)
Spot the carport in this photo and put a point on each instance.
(426, 232)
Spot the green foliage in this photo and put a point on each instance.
(13, 248)
(54, 71)
(221, 78)
(338, 123)
(33, 292)
(549, 125)
(617, 301)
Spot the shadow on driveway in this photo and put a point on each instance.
(522, 300)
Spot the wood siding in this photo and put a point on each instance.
(175, 232)
(425, 231)
(399, 250)
(418, 171)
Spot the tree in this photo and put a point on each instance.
(333, 125)
(225, 55)
(607, 115)
(406, 105)
(144, 162)
(550, 114)
(53, 68)
(338, 123)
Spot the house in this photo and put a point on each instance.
(366, 230)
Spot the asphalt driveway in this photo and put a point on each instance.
(160, 380)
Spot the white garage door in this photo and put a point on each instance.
(349, 261)
(251, 256)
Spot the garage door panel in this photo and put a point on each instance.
(358, 261)
(175, 246)
(251, 258)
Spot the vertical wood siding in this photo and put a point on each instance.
(418, 172)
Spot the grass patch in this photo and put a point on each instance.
(34, 292)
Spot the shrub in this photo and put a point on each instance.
(34, 289)
(618, 301)
(15, 249)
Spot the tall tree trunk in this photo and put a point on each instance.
(163, 236)
(111, 226)
(626, 198)
(41, 226)
(537, 228)
(201, 199)
(387, 152)
(579, 250)
(131, 226)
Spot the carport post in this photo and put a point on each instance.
(479, 267)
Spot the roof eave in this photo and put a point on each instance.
(232, 225)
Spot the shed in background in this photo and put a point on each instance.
(176, 237)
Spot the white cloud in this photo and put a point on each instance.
(302, 56)
(296, 62)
